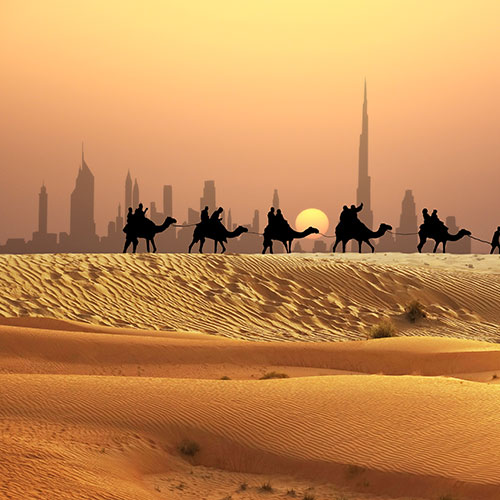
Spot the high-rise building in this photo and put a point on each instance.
(408, 223)
(82, 225)
(135, 195)
(363, 193)
(276, 200)
(208, 198)
(167, 201)
(128, 191)
(229, 221)
(42, 210)
(255, 222)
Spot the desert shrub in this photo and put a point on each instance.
(225, 377)
(382, 330)
(266, 487)
(243, 486)
(414, 311)
(308, 496)
(269, 375)
(189, 448)
(291, 493)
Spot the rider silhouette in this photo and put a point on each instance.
(139, 212)
(204, 216)
(495, 241)
(130, 215)
(436, 223)
(280, 221)
(271, 216)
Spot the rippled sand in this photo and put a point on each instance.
(92, 407)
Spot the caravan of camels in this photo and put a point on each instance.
(278, 229)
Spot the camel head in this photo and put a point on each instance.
(311, 230)
(464, 232)
(385, 227)
(239, 230)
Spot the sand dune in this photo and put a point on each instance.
(255, 297)
(93, 407)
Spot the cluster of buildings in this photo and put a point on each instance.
(82, 237)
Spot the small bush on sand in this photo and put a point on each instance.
(269, 375)
(243, 486)
(414, 311)
(189, 448)
(384, 329)
(225, 377)
(291, 493)
(266, 487)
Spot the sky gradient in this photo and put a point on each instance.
(256, 95)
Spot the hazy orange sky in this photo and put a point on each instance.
(257, 95)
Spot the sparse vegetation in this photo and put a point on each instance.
(269, 375)
(189, 448)
(494, 376)
(266, 487)
(243, 486)
(291, 493)
(225, 377)
(384, 329)
(308, 496)
(354, 470)
(414, 311)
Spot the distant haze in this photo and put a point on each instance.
(256, 95)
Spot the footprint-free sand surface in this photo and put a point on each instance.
(109, 364)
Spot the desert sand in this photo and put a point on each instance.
(110, 364)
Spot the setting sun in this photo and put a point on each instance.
(312, 217)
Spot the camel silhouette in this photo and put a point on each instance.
(218, 233)
(442, 236)
(286, 235)
(358, 232)
(146, 229)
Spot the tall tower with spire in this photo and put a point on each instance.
(276, 199)
(82, 224)
(135, 195)
(42, 210)
(363, 193)
(128, 191)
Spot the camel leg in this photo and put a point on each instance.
(444, 246)
(359, 245)
(223, 247)
(127, 244)
(344, 243)
(421, 244)
(191, 244)
(135, 243)
(147, 245)
(271, 246)
(202, 242)
(215, 246)
(435, 247)
(266, 244)
(154, 245)
(335, 245)
(370, 245)
(289, 250)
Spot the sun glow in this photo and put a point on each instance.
(312, 217)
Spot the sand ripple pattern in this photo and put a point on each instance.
(255, 297)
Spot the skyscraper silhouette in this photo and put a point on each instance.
(128, 191)
(167, 201)
(82, 226)
(135, 195)
(363, 193)
(407, 224)
(208, 198)
(42, 210)
(255, 222)
(276, 199)
(229, 220)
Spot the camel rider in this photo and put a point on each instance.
(271, 216)
(140, 213)
(436, 223)
(205, 219)
(280, 222)
(495, 241)
(130, 215)
(216, 220)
